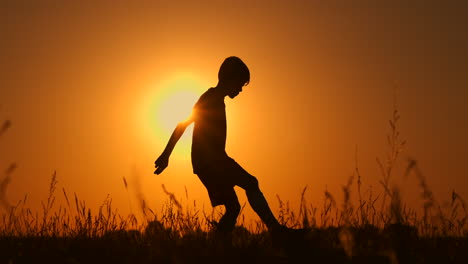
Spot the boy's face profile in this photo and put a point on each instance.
(234, 88)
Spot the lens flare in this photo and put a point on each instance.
(171, 102)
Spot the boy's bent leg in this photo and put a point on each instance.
(255, 197)
(259, 204)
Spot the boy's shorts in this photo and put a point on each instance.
(220, 179)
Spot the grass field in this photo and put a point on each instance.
(74, 234)
(378, 228)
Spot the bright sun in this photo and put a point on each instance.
(172, 103)
(176, 108)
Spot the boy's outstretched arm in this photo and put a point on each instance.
(163, 161)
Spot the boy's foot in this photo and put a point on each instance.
(283, 235)
(221, 238)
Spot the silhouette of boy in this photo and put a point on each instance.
(217, 171)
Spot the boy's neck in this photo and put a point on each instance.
(221, 88)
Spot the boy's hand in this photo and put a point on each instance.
(161, 163)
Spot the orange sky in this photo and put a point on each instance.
(82, 85)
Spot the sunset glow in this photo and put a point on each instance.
(94, 91)
(347, 145)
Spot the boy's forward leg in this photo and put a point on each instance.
(254, 195)
(260, 205)
(282, 236)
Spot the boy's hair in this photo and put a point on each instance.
(233, 68)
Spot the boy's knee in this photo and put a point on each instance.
(252, 184)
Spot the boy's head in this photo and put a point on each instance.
(233, 70)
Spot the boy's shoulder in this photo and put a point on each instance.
(210, 96)
(208, 93)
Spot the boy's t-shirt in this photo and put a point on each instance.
(209, 131)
